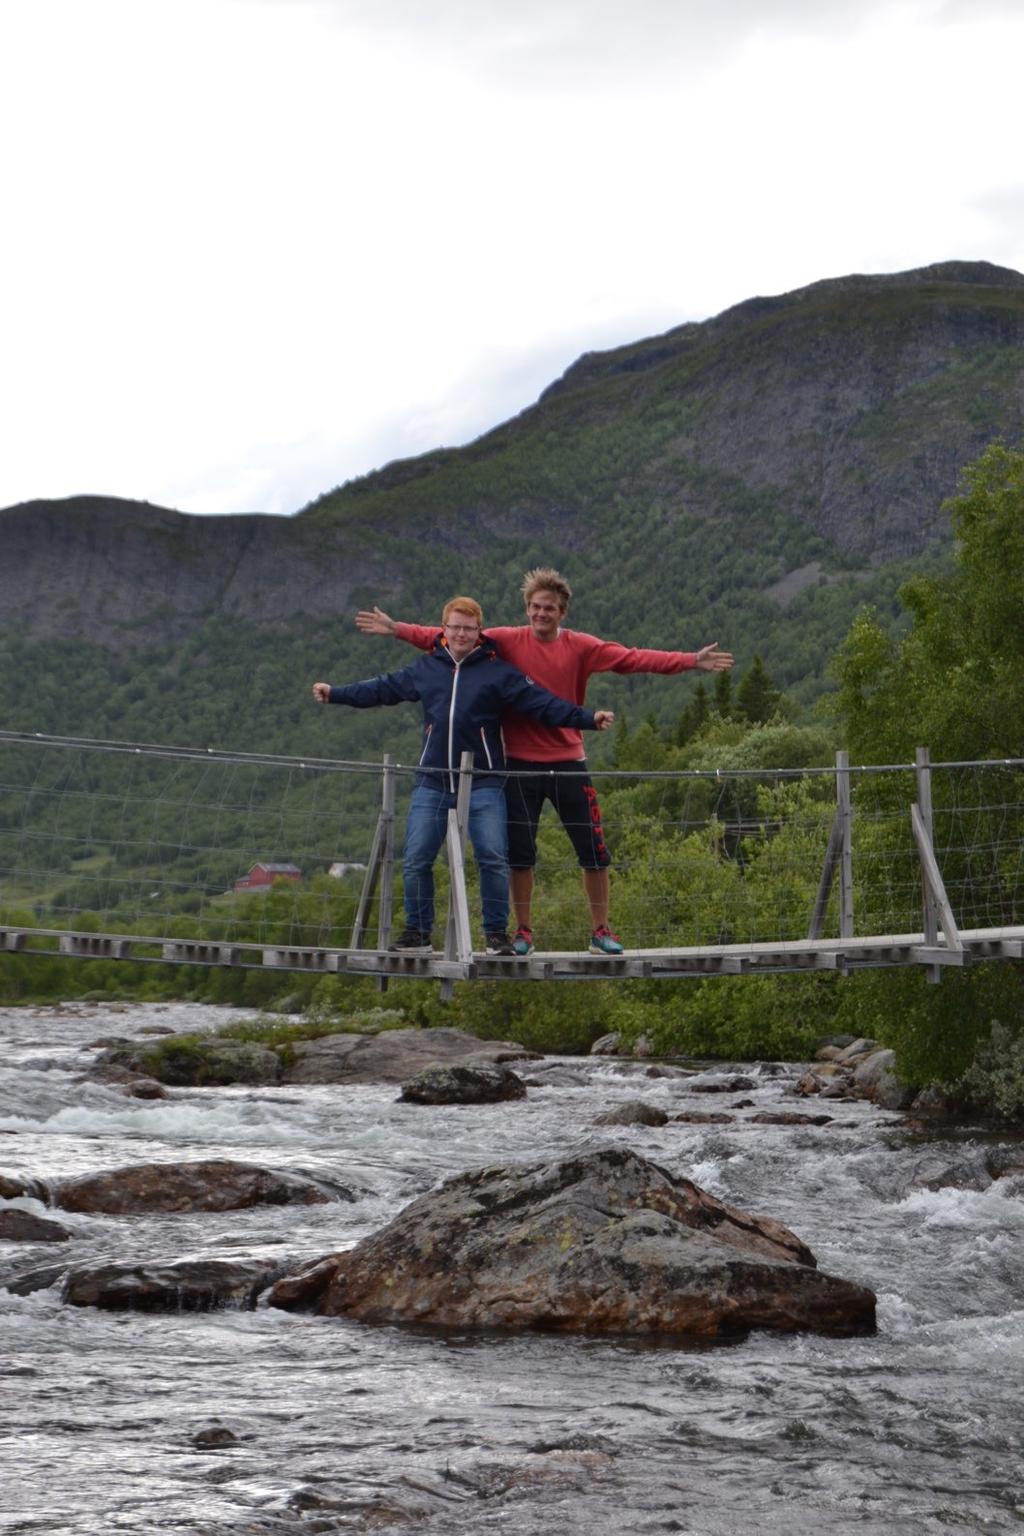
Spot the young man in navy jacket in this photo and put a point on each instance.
(464, 688)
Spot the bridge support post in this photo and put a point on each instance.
(380, 867)
(923, 769)
(387, 862)
(932, 876)
(838, 855)
(844, 810)
(458, 942)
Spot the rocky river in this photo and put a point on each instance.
(253, 1419)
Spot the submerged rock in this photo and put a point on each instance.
(933, 1167)
(704, 1117)
(556, 1074)
(932, 1100)
(634, 1112)
(606, 1243)
(394, 1055)
(735, 1083)
(15, 1186)
(135, 1084)
(1004, 1161)
(18, 1226)
(213, 1437)
(463, 1085)
(788, 1117)
(184, 1285)
(214, 1185)
(39, 1278)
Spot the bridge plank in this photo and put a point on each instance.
(682, 962)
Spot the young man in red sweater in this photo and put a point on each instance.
(550, 764)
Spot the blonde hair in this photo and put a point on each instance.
(545, 579)
(463, 605)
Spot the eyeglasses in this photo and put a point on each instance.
(463, 629)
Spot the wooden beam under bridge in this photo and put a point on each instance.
(762, 959)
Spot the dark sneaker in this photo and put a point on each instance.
(522, 944)
(499, 944)
(604, 942)
(411, 942)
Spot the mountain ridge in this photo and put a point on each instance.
(753, 479)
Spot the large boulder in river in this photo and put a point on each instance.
(876, 1079)
(214, 1185)
(394, 1055)
(605, 1242)
(460, 1084)
(190, 1061)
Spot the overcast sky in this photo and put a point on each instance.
(254, 248)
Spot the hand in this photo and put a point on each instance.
(603, 718)
(711, 659)
(375, 622)
(322, 693)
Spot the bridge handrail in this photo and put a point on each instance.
(730, 857)
(351, 765)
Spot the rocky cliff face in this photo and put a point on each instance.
(855, 402)
(121, 571)
(841, 414)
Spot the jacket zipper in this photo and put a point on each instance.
(451, 727)
(487, 750)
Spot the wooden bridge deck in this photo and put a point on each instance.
(761, 959)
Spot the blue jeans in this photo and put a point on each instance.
(425, 830)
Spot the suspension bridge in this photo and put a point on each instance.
(200, 857)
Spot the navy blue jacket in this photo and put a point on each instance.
(462, 707)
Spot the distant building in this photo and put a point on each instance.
(266, 874)
(343, 867)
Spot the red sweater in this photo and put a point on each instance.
(563, 666)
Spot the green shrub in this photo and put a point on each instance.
(994, 1082)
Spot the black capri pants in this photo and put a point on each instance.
(568, 787)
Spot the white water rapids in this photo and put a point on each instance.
(335, 1426)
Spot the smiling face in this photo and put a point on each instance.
(461, 631)
(545, 612)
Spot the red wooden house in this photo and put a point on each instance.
(266, 874)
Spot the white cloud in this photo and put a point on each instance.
(256, 247)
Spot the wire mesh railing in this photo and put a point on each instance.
(233, 848)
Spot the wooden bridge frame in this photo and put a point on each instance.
(938, 944)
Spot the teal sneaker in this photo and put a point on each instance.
(604, 942)
(522, 944)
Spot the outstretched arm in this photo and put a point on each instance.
(374, 621)
(711, 659)
(520, 693)
(389, 688)
(609, 656)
